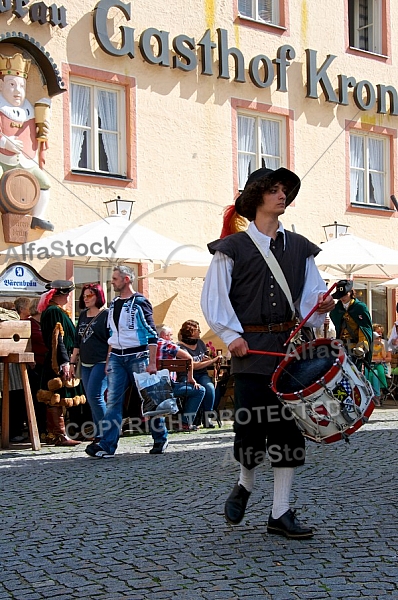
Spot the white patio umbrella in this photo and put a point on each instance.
(348, 255)
(328, 276)
(112, 239)
(393, 283)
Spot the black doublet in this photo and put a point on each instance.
(255, 295)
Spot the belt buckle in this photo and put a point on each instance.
(269, 327)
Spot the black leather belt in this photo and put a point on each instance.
(138, 352)
(269, 328)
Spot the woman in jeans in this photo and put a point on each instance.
(189, 340)
(91, 347)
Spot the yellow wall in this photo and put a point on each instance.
(185, 160)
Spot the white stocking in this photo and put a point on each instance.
(283, 481)
(247, 478)
(39, 210)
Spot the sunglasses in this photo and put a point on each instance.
(87, 296)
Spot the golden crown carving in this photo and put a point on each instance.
(14, 65)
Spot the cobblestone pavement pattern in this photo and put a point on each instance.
(142, 526)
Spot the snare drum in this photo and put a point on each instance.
(326, 394)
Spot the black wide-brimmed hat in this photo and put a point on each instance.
(282, 175)
(342, 288)
(62, 286)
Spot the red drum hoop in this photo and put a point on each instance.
(326, 394)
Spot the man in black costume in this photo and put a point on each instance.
(252, 312)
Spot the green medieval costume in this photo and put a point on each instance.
(354, 326)
(58, 335)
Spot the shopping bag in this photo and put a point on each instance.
(156, 393)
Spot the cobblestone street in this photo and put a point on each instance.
(143, 526)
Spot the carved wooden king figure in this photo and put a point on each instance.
(19, 132)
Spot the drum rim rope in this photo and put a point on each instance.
(343, 432)
(289, 358)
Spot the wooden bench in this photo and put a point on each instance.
(15, 348)
(21, 359)
(176, 365)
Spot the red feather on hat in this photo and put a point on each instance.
(45, 300)
(232, 222)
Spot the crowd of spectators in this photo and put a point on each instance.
(71, 375)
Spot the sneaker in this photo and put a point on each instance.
(159, 447)
(186, 427)
(96, 451)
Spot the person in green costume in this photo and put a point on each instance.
(353, 323)
(58, 387)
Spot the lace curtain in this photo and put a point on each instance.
(80, 109)
(265, 10)
(246, 162)
(357, 173)
(107, 113)
(375, 170)
(270, 150)
(82, 127)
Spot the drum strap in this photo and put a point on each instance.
(277, 272)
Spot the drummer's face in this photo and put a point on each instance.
(274, 200)
(346, 298)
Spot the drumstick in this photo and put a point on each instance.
(267, 353)
(303, 322)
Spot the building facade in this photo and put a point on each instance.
(173, 108)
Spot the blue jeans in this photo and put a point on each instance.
(194, 397)
(208, 400)
(94, 382)
(120, 374)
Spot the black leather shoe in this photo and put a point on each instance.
(41, 224)
(236, 503)
(289, 526)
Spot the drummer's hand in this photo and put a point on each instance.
(359, 351)
(238, 347)
(325, 305)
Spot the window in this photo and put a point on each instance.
(83, 275)
(259, 145)
(365, 25)
(374, 296)
(97, 129)
(368, 177)
(266, 11)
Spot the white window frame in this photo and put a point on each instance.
(365, 137)
(375, 39)
(257, 158)
(95, 130)
(253, 7)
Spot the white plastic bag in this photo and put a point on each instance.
(156, 393)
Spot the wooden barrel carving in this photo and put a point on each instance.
(19, 192)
